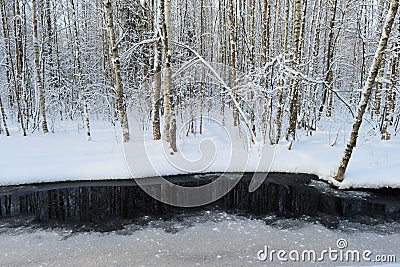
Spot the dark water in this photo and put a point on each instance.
(108, 205)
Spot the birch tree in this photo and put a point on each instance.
(294, 101)
(157, 75)
(367, 90)
(279, 108)
(232, 48)
(38, 75)
(169, 118)
(7, 53)
(117, 74)
(329, 71)
(3, 118)
(19, 64)
(79, 75)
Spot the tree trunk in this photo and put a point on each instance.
(388, 109)
(232, 46)
(252, 51)
(294, 101)
(379, 86)
(367, 90)
(117, 74)
(39, 84)
(10, 68)
(329, 72)
(202, 72)
(8, 64)
(166, 81)
(4, 119)
(279, 107)
(79, 73)
(157, 83)
(19, 64)
(265, 32)
(169, 130)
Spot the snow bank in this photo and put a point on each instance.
(66, 156)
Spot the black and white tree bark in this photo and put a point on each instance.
(7, 59)
(3, 118)
(169, 112)
(329, 72)
(19, 65)
(279, 108)
(79, 74)
(156, 85)
(117, 74)
(38, 74)
(294, 96)
(232, 52)
(367, 90)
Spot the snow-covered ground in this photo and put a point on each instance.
(226, 240)
(65, 155)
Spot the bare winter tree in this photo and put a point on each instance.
(169, 118)
(3, 118)
(38, 75)
(19, 64)
(329, 58)
(79, 73)
(232, 50)
(280, 85)
(367, 90)
(7, 49)
(117, 74)
(294, 94)
(157, 75)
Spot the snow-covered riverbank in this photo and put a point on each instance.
(65, 155)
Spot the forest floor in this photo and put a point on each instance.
(65, 155)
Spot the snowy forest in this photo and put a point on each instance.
(274, 68)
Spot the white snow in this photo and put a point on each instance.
(66, 156)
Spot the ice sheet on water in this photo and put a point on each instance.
(326, 188)
(236, 242)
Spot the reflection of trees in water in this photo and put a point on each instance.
(91, 204)
(280, 194)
